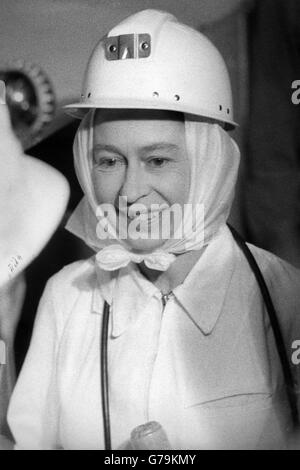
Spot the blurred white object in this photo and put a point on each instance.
(33, 198)
(11, 301)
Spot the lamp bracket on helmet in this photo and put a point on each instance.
(127, 46)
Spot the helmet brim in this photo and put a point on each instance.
(79, 110)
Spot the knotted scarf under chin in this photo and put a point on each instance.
(115, 256)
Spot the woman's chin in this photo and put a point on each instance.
(143, 246)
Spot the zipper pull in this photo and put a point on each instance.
(165, 298)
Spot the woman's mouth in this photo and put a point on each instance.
(142, 214)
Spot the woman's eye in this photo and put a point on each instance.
(157, 162)
(109, 163)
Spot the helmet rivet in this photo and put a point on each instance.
(228, 111)
(155, 94)
(220, 107)
(112, 48)
(177, 97)
(89, 95)
(144, 46)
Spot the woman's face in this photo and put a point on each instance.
(140, 155)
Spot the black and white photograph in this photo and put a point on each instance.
(150, 227)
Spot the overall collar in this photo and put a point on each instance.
(204, 290)
(201, 295)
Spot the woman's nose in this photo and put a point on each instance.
(135, 185)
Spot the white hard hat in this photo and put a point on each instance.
(33, 198)
(151, 61)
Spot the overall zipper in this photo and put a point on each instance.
(165, 298)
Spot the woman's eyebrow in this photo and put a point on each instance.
(168, 146)
(108, 148)
(159, 146)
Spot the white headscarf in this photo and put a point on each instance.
(214, 160)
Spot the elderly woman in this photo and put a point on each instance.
(186, 340)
